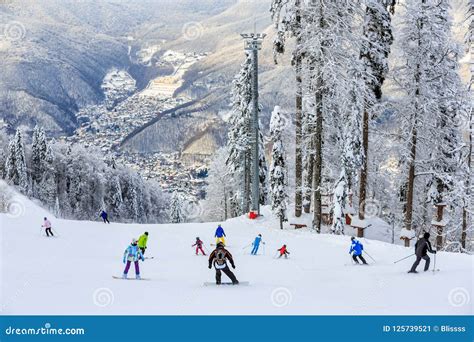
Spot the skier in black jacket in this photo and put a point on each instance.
(422, 246)
(219, 258)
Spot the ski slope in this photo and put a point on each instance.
(72, 274)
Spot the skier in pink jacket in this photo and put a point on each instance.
(47, 226)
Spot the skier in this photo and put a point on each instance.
(422, 246)
(132, 253)
(356, 250)
(283, 252)
(198, 245)
(220, 235)
(104, 216)
(142, 240)
(256, 244)
(219, 258)
(47, 226)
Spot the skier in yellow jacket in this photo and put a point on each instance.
(142, 240)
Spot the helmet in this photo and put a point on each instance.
(352, 238)
(134, 241)
(146, 233)
(197, 238)
(220, 245)
(260, 235)
(45, 218)
(426, 235)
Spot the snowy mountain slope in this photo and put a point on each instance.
(72, 274)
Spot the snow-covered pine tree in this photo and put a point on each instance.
(176, 210)
(375, 48)
(448, 167)
(15, 164)
(278, 169)
(218, 191)
(331, 44)
(287, 16)
(238, 142)
(428, 78)
(263, 171)
(340, 194)
(114, 196)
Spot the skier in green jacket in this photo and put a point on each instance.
(142, 240)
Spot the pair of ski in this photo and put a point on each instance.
(242, 283)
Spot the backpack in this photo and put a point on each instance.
(220, 259)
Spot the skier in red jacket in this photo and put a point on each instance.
(283, 252)
(198, 245)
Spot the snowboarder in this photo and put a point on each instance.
(422, 246)
(198, 245)
(104, 216)
(47, 226)
(256, 244)
(132, 253)
(142, 240)
(356, 251)
(219, 258)
(283, 252)
(220, 235)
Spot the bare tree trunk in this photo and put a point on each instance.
(469, 200)
(298, 122)
(309, 181)
(318, 163)
(365, 164)
(281, 223)
(411, 184)
(225, 205)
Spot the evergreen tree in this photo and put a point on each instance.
(288, 16)
(176, 211)
(239, 142)
(375, 48)
(263, 171)
(278, 170)
(433, 99)
(218, 191)
(15, 164)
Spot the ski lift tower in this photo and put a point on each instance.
(253, 43)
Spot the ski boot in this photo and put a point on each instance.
(124, 276)
(137, 277)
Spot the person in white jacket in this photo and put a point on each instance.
(47, 226)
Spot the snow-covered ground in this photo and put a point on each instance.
(72, 274)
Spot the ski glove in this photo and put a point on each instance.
(210, 266)
(233, 266)
(124, 260)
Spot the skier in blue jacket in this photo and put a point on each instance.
(220, 235)
(256, 244)
(356, 250)
(132, 253)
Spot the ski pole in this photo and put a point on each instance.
(404, 258)
(247, 246)
(370, 256)
(264, 249)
